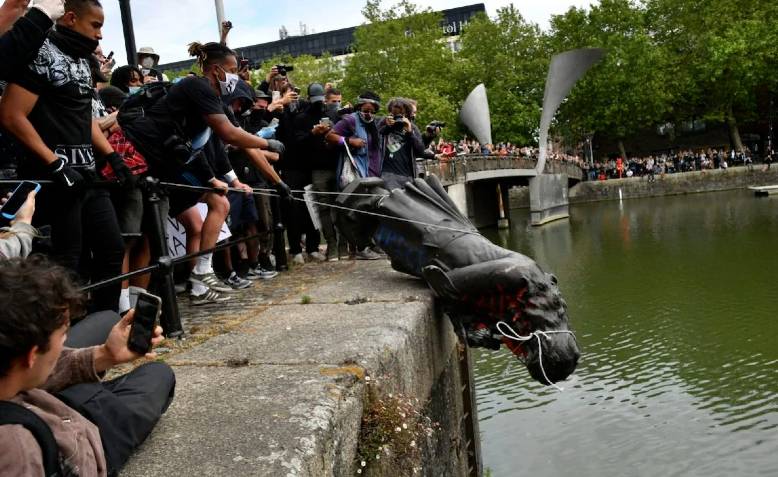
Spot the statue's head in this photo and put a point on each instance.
(512, 301)
(551, 353)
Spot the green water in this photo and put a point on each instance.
(674, 302)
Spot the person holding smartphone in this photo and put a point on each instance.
(96, 425)
(16, 240)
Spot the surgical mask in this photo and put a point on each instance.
(134, 89)
(366, 117)
(229, 84)
(147, 62)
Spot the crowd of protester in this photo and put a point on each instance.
(649, 166)
(113, 147)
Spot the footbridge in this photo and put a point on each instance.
(479, 186)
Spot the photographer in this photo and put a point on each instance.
(95, 425)
(400, 146)
(147, 62)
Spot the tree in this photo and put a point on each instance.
(722, 52)
(510, 56)
(629, 89)
(402, 51)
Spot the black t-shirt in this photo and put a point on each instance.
(63, 114)
(398, 155)
(187, 103)
(181, 111)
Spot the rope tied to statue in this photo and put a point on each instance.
(513, 335)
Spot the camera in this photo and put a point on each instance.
(283, 69)
(436, 124)
(398, 121)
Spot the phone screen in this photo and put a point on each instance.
(146, 313)
(18, 198)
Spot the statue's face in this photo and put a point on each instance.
(545, 314)
(526, 299)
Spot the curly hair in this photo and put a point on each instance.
(38, 297)
(122, 76)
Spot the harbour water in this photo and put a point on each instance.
(675, 304)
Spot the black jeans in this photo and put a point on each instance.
(86, 238)
(126, 409)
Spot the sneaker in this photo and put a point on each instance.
(318, 256)
(367, 254)
(332, 255)
(206, 298)
(253, 273)
(298, 259)
(378, 250)
(182, 288)
(236, 282)
(259, 273)
(211, 281)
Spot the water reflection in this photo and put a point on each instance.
(673, 301)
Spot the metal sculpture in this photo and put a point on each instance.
(475, 115)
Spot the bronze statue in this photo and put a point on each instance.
(498, 296)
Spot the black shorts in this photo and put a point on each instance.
(243, 211)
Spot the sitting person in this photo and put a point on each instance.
(102, 422)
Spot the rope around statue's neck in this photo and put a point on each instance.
(512, 335)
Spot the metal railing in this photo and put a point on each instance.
(455, 170)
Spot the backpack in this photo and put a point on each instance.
(12, 413)
(136, 105)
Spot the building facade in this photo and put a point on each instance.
(336, 42)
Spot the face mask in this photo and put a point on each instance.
(147, 62)
(134, 89)
(366, 117)
(230, 82)
(332, 107)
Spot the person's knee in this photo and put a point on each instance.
(218, 204)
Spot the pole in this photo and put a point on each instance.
(219, 16)
(163, 283)
(129, 32)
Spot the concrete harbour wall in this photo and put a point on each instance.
(284, 392)
(673, 184)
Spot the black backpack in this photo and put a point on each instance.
(12, 413)
(136, 105)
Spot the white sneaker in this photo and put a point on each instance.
(318, 256)
(298, 259)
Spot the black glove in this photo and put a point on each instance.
(274, 145)
(65, 175)
(120, 170)
(284, 191)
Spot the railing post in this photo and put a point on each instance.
(162, 280)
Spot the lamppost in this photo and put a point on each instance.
(219, 16)
(129, 32)
(589, 137)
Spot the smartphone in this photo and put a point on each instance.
(18, 198)
(147, 311)
(296, 90)
(110, 55)
(276, 95)
(326, 122)
(244, 62)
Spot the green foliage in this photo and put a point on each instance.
(510, 56)
(402, 52)
(628, 90)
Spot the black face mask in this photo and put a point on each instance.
(73, 43)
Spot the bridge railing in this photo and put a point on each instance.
(455, 170)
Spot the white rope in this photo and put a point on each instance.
(513, 335)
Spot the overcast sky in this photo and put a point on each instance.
(169, 25)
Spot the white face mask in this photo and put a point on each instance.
(134, 89)
(147, 62)
(230, 82)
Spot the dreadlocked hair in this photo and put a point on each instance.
(209, 54)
